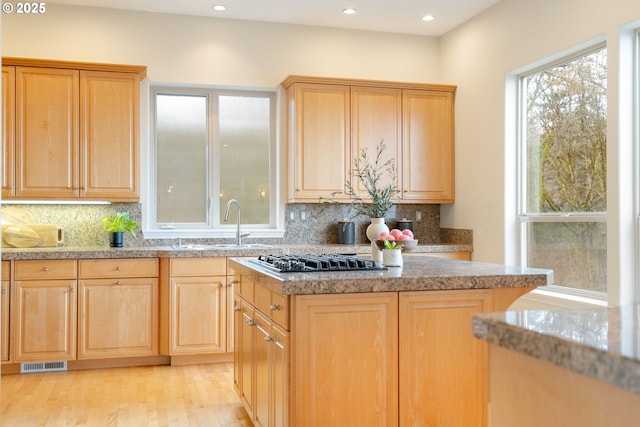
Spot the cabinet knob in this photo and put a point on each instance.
(268, 338)
(250, 322)
(236, 308)
(46, 269)
(4, 292)
(72, 289)
(118, 268)
(119, 282)
(274, 307)
(234, 282)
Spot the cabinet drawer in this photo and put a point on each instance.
(273, 305)
(6, 270)
(216, 266)
(45, 269)
(130, 267)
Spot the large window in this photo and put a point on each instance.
(562, 176)
(211, 146)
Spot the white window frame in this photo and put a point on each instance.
(212, 229)
(522, 219)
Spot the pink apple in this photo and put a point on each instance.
(395, 232)
(383, 236)
(407, 232)
(404, 237)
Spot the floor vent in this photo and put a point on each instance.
(26, 368)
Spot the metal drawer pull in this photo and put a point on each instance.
(275, 307)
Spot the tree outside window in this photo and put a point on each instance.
(563, 170)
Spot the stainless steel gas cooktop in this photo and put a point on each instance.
(315, 262)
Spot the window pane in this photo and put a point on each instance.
(566, 136)
(245, 134)
(181, 141)
(575, 251)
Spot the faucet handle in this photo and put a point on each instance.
(245, 234)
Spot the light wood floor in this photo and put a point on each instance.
(195, 395)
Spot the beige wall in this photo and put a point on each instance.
(187, 49)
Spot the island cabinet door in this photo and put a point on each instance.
(344, 360)
(442, 366)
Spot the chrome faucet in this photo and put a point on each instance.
(226, 218)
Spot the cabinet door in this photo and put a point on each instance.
(345, 371)
(261, 353)
(4, 326)
(376, 116)
(271, 356)
(442, 366)
(8, 130)
(280, 374)
(109, 132)
(237, 343)
(198, 315)
(246, 348)
(46, 133)
(321, 140)
(45, 320)
(428, 152)
(118, 318)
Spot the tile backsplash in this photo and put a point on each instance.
(312, 223)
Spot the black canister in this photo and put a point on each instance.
(346, 232)
(405, 224)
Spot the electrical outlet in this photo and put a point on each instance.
(303, 216)
(418, 216)
(125, 213)
(292, 216)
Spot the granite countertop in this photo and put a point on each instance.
(418, 273)
(603, 343)
(89, 252)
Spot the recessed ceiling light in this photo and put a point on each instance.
(349, 11)
(428, 18)
(220, 7)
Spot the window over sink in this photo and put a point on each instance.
(209, 146)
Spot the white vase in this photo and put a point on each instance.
(376, 227)
(392, 258)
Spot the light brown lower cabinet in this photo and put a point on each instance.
(261, 357)
(45, 308)
(5, 295)
(193, 313)
(117, 308)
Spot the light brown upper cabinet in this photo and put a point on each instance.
(8, 130)
(76, 130)
(331, 120)
(318, 134)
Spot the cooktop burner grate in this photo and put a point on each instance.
(316, 262)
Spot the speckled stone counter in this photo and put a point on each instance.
(423, 273)
(602, 343)
(89, 252)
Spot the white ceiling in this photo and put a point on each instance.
(393, 16)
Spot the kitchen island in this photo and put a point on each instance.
(368, 348)
(563, 367)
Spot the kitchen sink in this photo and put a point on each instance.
(223, 246)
